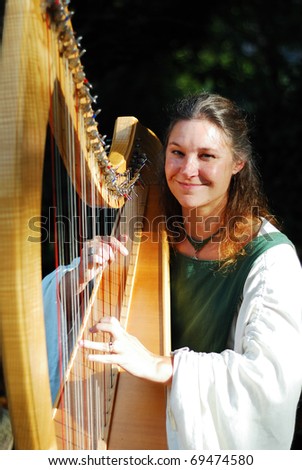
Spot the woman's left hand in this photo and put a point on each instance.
(128, 352)
(96, 254)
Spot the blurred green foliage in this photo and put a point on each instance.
(141, 55)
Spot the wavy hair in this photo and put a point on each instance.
(246, 203)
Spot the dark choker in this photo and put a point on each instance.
(198, 245)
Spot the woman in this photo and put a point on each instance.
(234, 376)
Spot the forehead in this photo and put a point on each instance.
(199, 133)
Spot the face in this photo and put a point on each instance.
(199, 166)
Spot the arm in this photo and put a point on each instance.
(246, 398)
(61, 289)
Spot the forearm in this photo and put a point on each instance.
(73, 283)
(163, 369)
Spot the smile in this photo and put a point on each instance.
(187, 185)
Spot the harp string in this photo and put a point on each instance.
(34, 57)
(86, 398)
(66, 249)
(96, 392)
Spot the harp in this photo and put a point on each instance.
(42, 81)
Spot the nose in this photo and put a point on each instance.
(189, 166)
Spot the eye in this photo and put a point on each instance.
(206, 156)
(177, 153)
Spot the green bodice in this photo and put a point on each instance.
(204, 298)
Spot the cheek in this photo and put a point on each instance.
(170, 168)
(220, 175)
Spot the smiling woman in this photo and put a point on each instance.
(234, 373)
(199, 167)
(215, 172)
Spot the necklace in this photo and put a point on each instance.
(199, 244)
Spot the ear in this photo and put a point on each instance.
(238, 166)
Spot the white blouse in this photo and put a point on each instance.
(246, 397)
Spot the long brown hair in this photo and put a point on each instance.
(246, 203)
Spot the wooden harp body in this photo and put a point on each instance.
(35, 85)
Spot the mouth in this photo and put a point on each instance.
(187, 185)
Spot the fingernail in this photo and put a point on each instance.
(124, 250)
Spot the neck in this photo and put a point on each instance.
(201, 225)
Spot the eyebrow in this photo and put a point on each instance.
(203, 149)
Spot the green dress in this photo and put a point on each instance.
(205, 299)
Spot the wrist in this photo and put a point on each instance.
(163, 369)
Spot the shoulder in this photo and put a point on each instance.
(267, 238)
(268, 230)
(265, 248)
(272, 292)
(267, 227)
(277, 269)
(281, 260)
(278, 252)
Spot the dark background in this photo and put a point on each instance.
(141, 54)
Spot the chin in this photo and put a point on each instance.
(188, 204)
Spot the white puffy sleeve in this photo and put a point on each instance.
(246, 397)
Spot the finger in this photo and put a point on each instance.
(106, 252)
(97, 260)
(108, 325)
(104, 256)
(123, 238)
(105, 247)
(102, 252)
(118, 244)
(97, 246)
(92, 260)
(111, 320)
(107, 347)
(103, 328)
(104, 358)
(98, 346)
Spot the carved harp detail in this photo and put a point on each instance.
(36, 92)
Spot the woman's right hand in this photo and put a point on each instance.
(128, 352)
